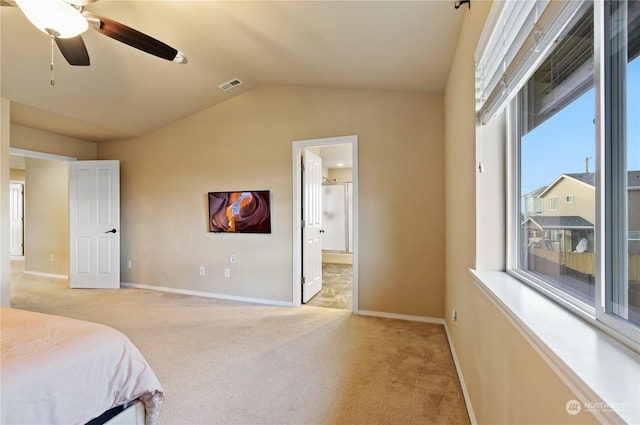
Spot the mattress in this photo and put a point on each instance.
(57, 370)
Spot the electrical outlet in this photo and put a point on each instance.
(454, 315)
(128, 264)
(52, 258)
(202, 271)
(232, 258)
(227, 272)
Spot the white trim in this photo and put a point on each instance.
(55, 276)
(465, 392)
(40, 155)
(423, 319)
(594, 366)
(298, 147)
(206, 294)
(489, 26)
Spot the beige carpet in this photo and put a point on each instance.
(224, 362)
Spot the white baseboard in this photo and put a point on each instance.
(55, 276)
(208, 294)
(465, 392)
(435, 320)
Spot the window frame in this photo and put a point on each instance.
(610, 186)
(514, 230)
(609, 235)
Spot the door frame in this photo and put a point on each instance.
(298, 148)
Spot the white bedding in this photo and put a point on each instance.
(56, 370)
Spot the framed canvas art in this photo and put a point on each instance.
(240, 212)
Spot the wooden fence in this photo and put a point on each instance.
(584, 262)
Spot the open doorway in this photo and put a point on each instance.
(16, 219)
(43, 248)
(338, 226)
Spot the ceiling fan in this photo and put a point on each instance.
(65, 20)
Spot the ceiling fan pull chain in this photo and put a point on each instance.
(53, 80)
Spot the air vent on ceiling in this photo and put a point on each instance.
(230, 84)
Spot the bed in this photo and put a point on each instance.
(57, 370)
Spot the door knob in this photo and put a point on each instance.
(111, 231)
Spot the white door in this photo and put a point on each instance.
(312, 225)
(94, 224)
(16, 205)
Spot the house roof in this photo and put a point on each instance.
(536, 192)
(588, 178)
(633, 180)
(560, 222)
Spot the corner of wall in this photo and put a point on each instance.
(5, 273)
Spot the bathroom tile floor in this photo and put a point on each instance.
(337, 287)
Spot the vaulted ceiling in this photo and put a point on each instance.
(378, 45)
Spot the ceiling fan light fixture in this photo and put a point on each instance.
(54, 17)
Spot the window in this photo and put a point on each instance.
(556, 111)
(569, 75)
(575, 107)
(620, 153)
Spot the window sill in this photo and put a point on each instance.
(604, 374)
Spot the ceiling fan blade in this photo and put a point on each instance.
(73, 50)
(133, 38)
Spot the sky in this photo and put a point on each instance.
(561, 144)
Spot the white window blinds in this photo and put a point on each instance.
(517, 36)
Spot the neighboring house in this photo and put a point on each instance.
(633, 202)
(571, 195)
(567, 215)
(533, 202)
(563, 213)
(560, 233)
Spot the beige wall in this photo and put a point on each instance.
(43, 141)
(46, 229)
(340, 174)
(508, 382)
(5, 273)
(16, 175)
(246, 143)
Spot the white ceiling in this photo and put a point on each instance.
(382, 45)
(336, 156)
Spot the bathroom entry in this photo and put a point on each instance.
(337, 241)
(339, 220)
